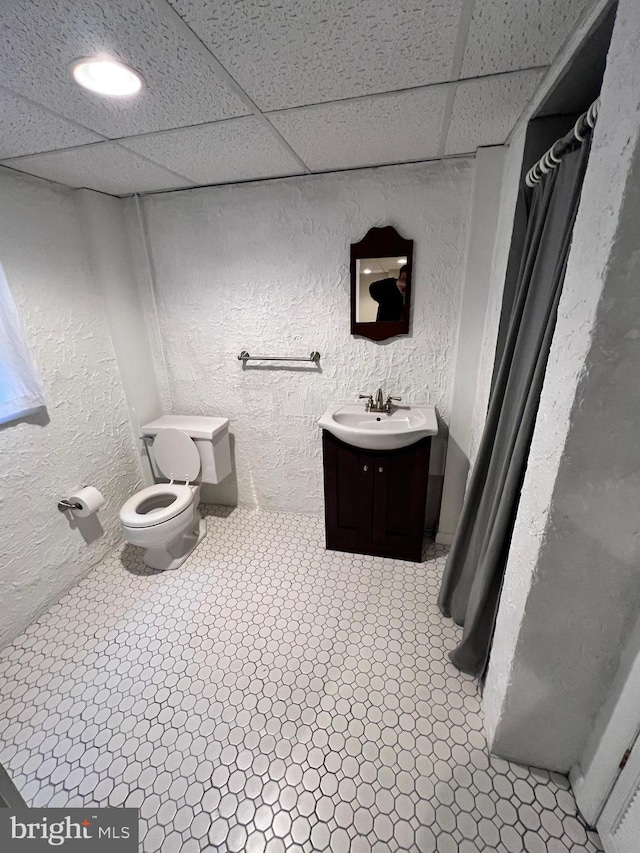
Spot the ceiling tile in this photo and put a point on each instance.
(367, 131)
(29, 129)
(485, 110)
(40, 39)
(105, 166)
(291, 53)
(239, 149)
(506, 35)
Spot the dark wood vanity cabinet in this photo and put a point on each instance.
(375, 500)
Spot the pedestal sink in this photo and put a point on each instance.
(403, 426)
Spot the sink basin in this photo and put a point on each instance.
(403, 426)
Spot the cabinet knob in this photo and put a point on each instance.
(366, 468)
(381, 470)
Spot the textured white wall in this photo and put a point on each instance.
(572, 588)
(471, 342)
(88, 439)
(265, 267)
(614, 731)
(108, 245)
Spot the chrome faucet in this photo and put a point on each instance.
(377, 404)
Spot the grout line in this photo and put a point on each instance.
(464, 25)
(357, 98)
(173, 18)
(33, 177)
(56, 115)
(437, 159)
(239, 182)
(320, 104)
(62, 150)
(5, 162)
(152, 162)
(390, 92)
(53, 113)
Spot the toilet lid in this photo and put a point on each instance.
(176, 455)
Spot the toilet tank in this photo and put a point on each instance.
(210, 436)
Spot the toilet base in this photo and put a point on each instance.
(174, 555)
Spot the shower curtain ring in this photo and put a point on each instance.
(553, 158)
(576, 132)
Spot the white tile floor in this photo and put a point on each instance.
(268, 695)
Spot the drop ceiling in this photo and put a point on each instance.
(238, 90)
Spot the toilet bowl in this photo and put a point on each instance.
(164, 519)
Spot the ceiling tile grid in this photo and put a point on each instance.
(104, 166)
(391, 128)
(239, 149)
(343, 83)
(40, 39)
(507, 35)
(292, 53)
(485, 110)
(29, 129)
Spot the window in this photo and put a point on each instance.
(21, 390)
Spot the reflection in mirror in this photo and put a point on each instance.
(382, 284)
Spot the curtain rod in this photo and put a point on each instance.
(560, 147)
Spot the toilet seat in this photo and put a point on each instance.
(142, 509)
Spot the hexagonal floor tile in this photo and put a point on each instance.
(269, 695)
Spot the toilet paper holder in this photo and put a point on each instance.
(85, 502)
(65, 504)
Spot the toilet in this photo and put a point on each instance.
(164, 519)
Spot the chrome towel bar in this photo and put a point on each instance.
(244, 356)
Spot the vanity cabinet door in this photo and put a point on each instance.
(375, 501)
(348, 488)
(399, 501)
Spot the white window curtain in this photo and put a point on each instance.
(21, 389)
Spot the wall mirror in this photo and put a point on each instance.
(381, 267)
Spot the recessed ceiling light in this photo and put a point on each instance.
(401, 261)
(107, 77)
(366, 272)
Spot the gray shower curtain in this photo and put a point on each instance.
(473, 575)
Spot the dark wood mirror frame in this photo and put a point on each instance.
(381, 243)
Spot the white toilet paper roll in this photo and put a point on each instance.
(90, 499)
